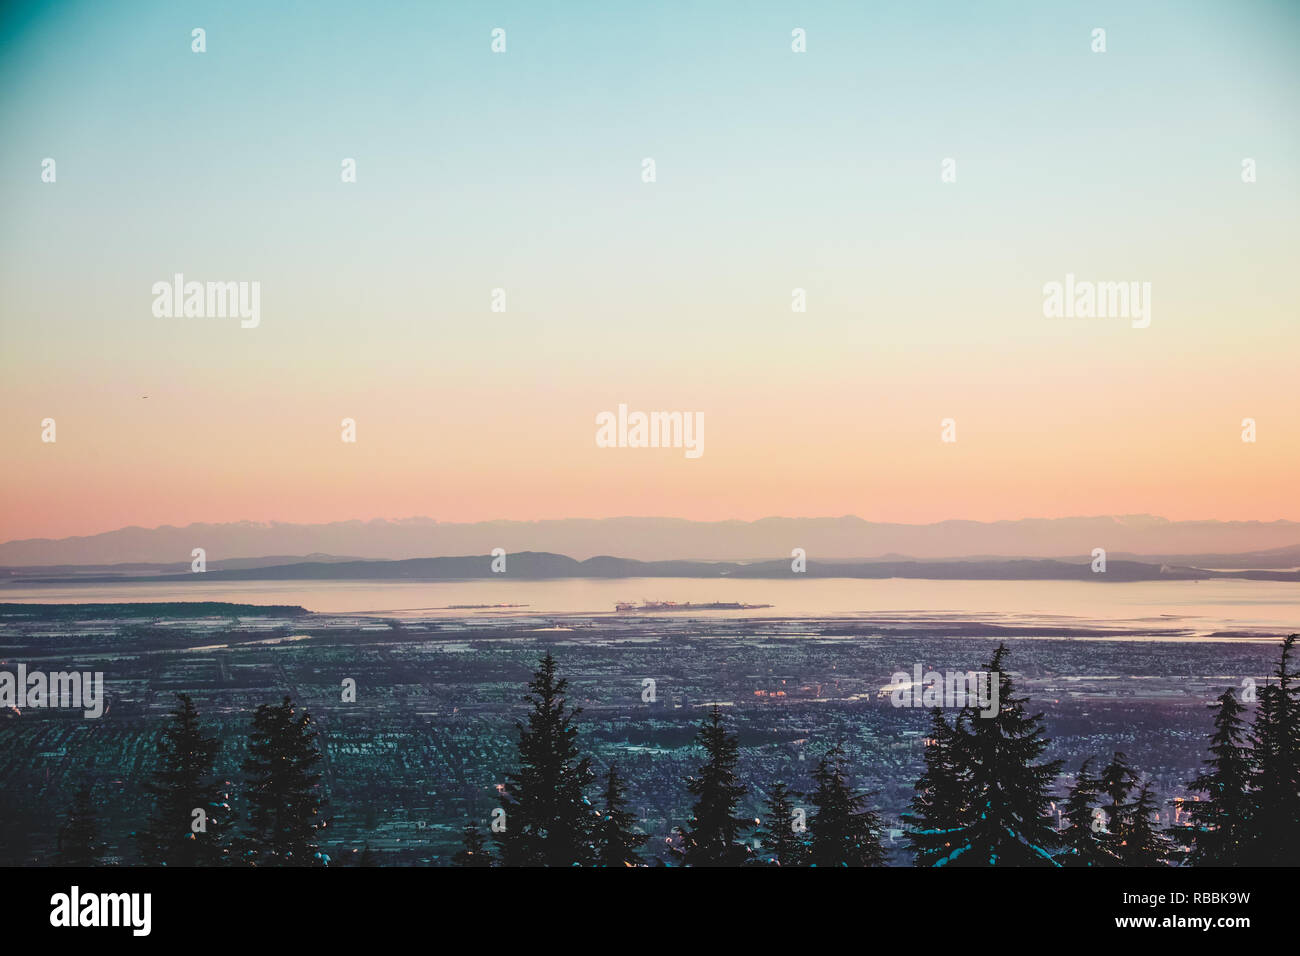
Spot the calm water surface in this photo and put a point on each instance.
(1203, 607)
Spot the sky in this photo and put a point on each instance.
(523, 171)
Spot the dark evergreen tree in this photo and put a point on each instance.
(1275, 806)
(79, 843)
(940, 809)
(1009, 794)
(549, 820)
(712, 837)
(182, 783)
(1220, 824)
(20, 822)
(1118, 779)
(782, 843)
(474, 849)
(1083, 836)
(845, 832)
(283, 789)
(369, 858)
(1144, 844)
(617, 842)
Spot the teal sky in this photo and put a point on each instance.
(522, 170)
(502, 168)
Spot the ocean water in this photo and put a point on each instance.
(1265, 607)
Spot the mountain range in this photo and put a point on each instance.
(534, 565)
(847, 538)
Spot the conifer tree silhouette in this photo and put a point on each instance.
(617, 842)
(549, 820)
(1144, 844)
(845, 832)
(368, 858)
(1118, 779)
(1220, 824)
(781, 843)
(940, 809)
(474, 850)
(1008, 793)
(79, 843)
(1275, 737)
(1083, 836)
(283, 789)
(182, 783)
(711, 838)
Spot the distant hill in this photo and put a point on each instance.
(24, 613)
(173, 567)
(532, 565)
(1288, 557)
(658, 539)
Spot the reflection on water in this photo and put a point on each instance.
(1201, 607)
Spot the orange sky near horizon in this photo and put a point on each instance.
(820, 171)
(1113, 440)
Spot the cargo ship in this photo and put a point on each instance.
(627, 607)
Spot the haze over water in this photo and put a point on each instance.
(1205, 607)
